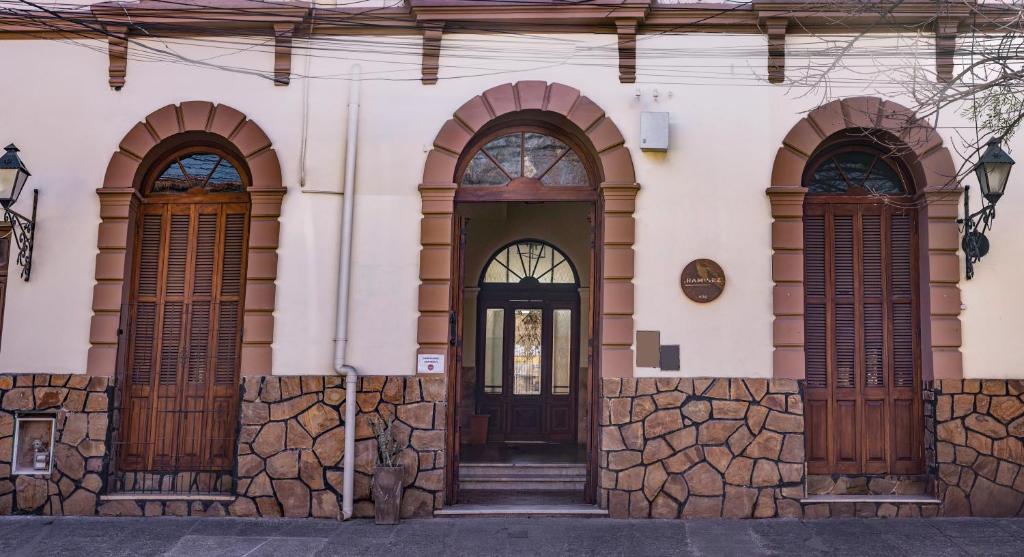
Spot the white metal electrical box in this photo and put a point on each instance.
(654, 131)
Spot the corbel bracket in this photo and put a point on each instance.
(945, 47)
(626, 29)
(775, 27)
(283, 33)
(117, 53)
(432, 34)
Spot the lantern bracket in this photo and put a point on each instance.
(974, 226)
(23, 229)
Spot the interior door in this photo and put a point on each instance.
(527, 361)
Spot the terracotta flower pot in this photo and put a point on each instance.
(387, 494)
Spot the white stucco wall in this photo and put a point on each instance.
(704, 198)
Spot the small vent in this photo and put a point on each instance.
(874, 346)
(205, 259)
(227, 342)
(199, 340)
(901, 241)
(843, 254)
(872, 255)
(815, 327)
(149, 258)
(814, 255)
(177, 255)
(142, 352)
(845, 346)
(170, 342)
(234, 246)
(903, 345)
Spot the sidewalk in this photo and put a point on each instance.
(197, 537)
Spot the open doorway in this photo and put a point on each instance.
(524, 407)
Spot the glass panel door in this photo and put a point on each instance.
(494, 340)
(527, 351)
(561, 356)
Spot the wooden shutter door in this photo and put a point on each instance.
(862, 382)
(185, 337)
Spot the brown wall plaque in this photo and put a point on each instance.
(702, 280)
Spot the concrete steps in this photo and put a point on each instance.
(520, 504)
(521, 477)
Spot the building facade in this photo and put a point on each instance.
(518, 275)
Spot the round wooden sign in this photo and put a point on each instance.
(702, 280)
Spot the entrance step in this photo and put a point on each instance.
(477, 504)
(522, 477)
(578, 510)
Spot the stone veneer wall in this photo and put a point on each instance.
(81, 405)
(979, 450)
(701, 448)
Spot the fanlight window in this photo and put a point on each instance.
(529, 262)
(206, 171)
(855, 172)
(525, 155)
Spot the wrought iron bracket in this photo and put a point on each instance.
(24, 231)
(974, 225)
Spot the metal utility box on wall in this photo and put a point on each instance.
(654, 131)
(33, 444)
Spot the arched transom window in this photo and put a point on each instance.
(203, 170)
(525, 154)
(855, 170)
(529, 262)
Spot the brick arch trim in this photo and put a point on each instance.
(617, 192)
(119, 204)
(938, 191)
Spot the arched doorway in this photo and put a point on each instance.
(862, 332)
(528, 344)
(179, 391)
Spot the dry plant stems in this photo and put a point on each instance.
(387, 445)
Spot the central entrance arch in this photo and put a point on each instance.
(607, 200)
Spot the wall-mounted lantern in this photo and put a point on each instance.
(993, 173)
(13, 175)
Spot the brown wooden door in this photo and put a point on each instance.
(528, 364)
(181, 391)
(863, 406)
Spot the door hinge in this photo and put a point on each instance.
(452, 323)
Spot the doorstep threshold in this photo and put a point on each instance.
(129, 496)
(895, 499)
(526, 510)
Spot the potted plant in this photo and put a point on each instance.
(387, 475)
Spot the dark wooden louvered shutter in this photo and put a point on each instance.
(863, 404)
(185, 337)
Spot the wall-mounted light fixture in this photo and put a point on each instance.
(993, 172)
(13, 175)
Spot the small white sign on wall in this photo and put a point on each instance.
(430, 363)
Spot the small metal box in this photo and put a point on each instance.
(34, 435)
(654, 131)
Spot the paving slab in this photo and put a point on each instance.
(556, 537)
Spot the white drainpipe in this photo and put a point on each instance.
(344, 274)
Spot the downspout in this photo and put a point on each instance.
(344, 272)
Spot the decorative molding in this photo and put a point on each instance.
(283, 33)
(945, 47)
(775, 28)
(432, 35)
(935, 179)
(119, 203)
(117, 53)
(626, 29)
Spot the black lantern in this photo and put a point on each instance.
(13, 175)
(993, 173)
